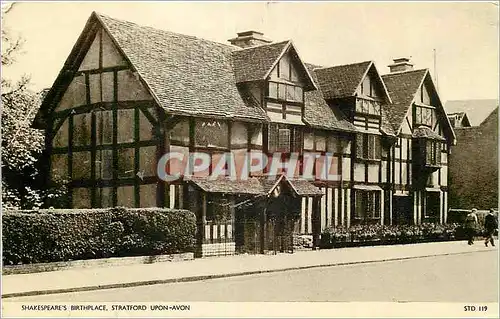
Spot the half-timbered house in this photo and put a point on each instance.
(128, 94)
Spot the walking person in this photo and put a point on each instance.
(470, 226)
(490, 224)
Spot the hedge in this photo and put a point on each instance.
(61, 235)
(360, 235)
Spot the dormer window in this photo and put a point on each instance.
(423, 116)
(285, 92)
(367, 106)
(432, 153)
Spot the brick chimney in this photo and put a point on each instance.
(401, 65)
(249, 39)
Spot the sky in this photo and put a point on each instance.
(464, 35)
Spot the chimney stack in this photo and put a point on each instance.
(401, 65)
(249, 39)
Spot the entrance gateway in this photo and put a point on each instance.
(257, 215)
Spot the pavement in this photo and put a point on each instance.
(87, 279)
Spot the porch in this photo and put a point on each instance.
(259, 215)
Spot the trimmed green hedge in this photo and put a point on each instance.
(390, 234)
(61, 235)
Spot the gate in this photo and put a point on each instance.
(219, 239)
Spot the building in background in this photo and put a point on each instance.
(474, 158)
(128, 94)
(459, 119)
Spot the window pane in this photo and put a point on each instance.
(284, 140)
(273, 90)
(371, 146)
(365, 107)
(359, 146)
(290, 93)
(359, 105)
(418, 115)
(299, 97)
(126, 163)
(104, 127)
(359, 211)
(371, 109)
(282, 92)
(81, 165)
(126, 126)
(81, 129)
(332, 146)
(272, 137)
(429, 152)
(376, 108)
(378, 147)
(320, 143)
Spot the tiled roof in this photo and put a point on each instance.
(186, 74)
(342, 80)
(304, 188)
(253, 186)
(402, 87)
(319, 114)
(425, 132)
(477, 110)
(252, 64)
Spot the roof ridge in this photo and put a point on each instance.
(238, 49)
(405, 72)
(100, 15)
(349, 64)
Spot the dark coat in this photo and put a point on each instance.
(490, 222)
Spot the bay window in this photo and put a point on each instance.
(423, 116)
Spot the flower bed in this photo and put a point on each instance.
(370, 235)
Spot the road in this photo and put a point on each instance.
(469, 277)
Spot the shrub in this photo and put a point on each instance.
(61, 235)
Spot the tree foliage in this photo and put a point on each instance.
(22, 145)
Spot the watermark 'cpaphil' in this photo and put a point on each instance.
(310, 166)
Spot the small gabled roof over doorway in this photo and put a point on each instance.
(262, 185)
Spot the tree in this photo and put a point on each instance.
(22, 145)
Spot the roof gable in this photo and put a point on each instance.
(185, 75)
(342, 80)
(403, 87)
(477, 110)
(256, 63)
(318, 113)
